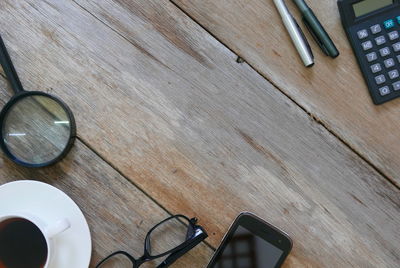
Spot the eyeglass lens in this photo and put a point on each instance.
(168, 236)
(36, 129)
(164, 238)
(118, 261)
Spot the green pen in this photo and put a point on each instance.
(316, 29)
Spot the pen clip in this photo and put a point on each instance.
(317, 40)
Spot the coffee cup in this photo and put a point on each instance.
(27, 241)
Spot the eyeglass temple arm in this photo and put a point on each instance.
(174, 256)
(9, 69)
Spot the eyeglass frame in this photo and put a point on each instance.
(198, 235)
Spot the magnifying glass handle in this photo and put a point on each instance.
(9, 69)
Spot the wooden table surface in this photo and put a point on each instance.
(169, 122)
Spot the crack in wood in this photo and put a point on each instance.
(312, 116)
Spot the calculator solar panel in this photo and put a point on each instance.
(373, 29)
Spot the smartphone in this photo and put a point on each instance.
(252, 243)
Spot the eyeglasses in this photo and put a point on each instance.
(173, 236)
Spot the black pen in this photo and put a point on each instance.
(316, 29)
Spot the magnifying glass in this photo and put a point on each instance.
(37, 129)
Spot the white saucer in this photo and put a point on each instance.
(73, 248)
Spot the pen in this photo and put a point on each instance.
(296, 34)
(316, 29)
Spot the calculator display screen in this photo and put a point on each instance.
(367, 6)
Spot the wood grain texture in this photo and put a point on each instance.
(168, 106)
(333, 91)
(118, 214)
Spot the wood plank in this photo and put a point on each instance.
(118, 214)
(167, 105)
(333, 91)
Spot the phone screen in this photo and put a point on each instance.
(244, 249)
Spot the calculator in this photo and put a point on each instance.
(373, 28)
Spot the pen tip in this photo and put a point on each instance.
(335, 55)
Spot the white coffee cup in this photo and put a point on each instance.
(49, 230)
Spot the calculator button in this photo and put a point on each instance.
(398, 58)
(396, 47)
(393, 35)
(393, 74)
(389, 63)
(396, 85)
(376, 68)
(380, 40)
(380, 79)
(372, 56)
(385, 51)
(376, 29)
(388, 24)
(384, 91)
(367, 45)
(362, 34)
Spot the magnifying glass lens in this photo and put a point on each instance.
(36, 129)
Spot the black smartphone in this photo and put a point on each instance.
(252, 243)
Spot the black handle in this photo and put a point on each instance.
(9, 69)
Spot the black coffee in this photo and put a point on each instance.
(22, 244)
